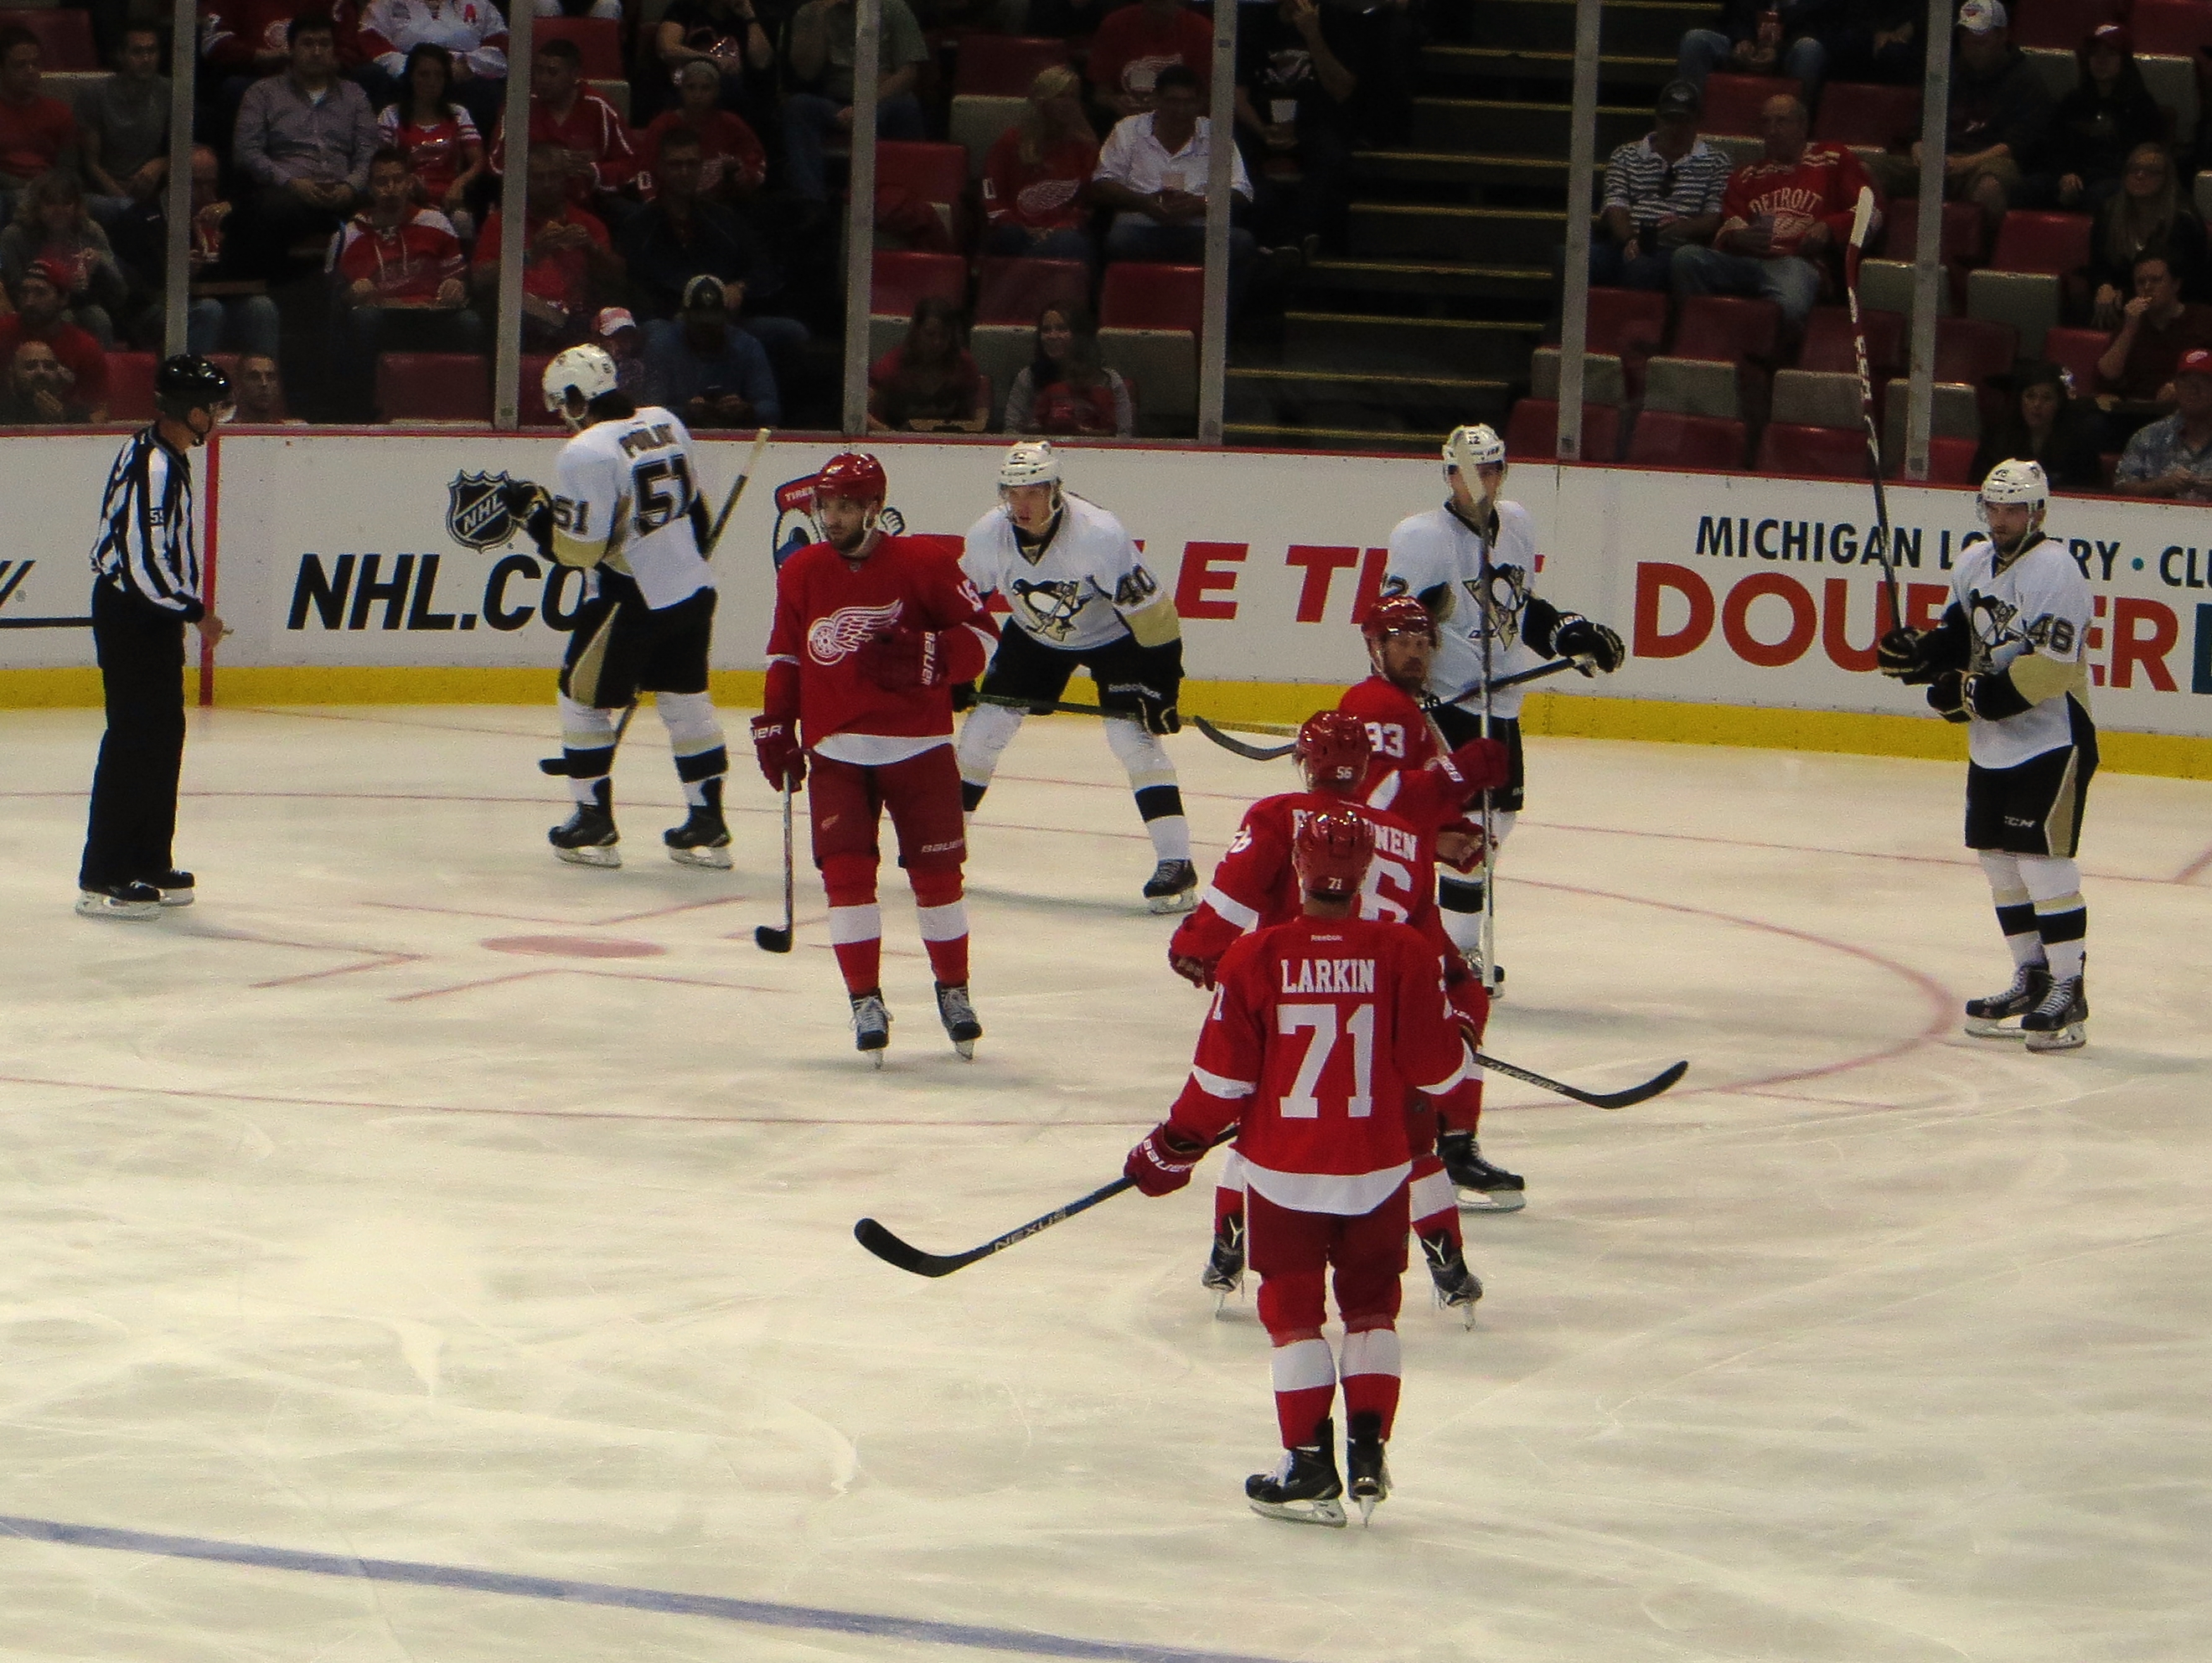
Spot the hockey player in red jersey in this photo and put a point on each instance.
(1315, 1022)
(871, 632)
(1256, 886)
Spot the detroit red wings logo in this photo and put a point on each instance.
(839, 634)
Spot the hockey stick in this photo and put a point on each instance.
(1269, 753)
(1636, 1094)
(1861, 217)
(559, 765)
(767, 938)
(1254, 753)
(715, 537)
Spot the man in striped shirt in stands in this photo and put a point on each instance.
(146, 589)
(1662, 191)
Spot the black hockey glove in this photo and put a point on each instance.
(963, 696)
(1903, 655)
(1156, 711)
(1581, 638)
(1946, 696)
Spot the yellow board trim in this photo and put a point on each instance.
(1561, 714)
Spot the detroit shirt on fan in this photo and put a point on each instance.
(1049, 194)
(1820, 187)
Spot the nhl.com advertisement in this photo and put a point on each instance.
(399, 550)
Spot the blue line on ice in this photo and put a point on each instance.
(759, 1612)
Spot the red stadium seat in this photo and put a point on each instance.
(903, 277)
(437, 386)
(2181, 27)
(1727, 328)
(935, 172)
(1533, 433)
(1972, 349)
(1877, 117)
(1622, 320)
(1004, 65)
(1733, 102)
(530, 403)
(64, 39)
(1014, 291)
(130, 386)
(599, 39)
(2076, 350)
(2061, 23)
(1138, 295)
(1813, 452)
(2053, 243)
(1900, 233)
(1951, 462)
(1828, 342)
(1663, 440)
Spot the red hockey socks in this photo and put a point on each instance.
(1371, 1376)
(857, 934)
(1435, 1203)
(1305, 1388)
(945, 933)
(1228, 1203)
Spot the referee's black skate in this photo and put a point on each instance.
(133, 901)
(958, 1012)
(1172, 887)
(1305, 1488)
(2058, 1021)
(175, 887)
(1987, 1017)
(703, 839)
(1457, 1285)
(1366, 1474)
(871, 1025)
(1225, 1266)
(1482, 1187)
(587, 837)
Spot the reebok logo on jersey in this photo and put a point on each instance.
(840, 635)
(1329, 975)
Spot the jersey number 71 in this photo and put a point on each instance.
(1303, 1100)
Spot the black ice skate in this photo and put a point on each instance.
(175, 887)
(1482, 1187)
(2056, 1023)
(1457, 1286)
(1172, 887)
(587, 837)
(1304, 1489)
(703, 839)
(871, 1025)
(1225, 1266)
(957, 1013)
(1987, 1017)
(1367, 1475)
(137, 901)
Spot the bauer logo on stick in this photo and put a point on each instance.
(476, 515)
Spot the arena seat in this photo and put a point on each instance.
(1951, 462)
(1866, 117)
(2029, 240)
(598, 39)
(1733, 102)
(435, 386)
(1014, 291)
(1532, 435)
(615, 91)
(1954, 412)
(2177, 28)
(65, 36)
(1813, 452)
(1819, 398)
(1137, 295)
(130, 386)
(1726, 327)
(1694, 387)
(1961, 238)
(2077, 350)
(899, 277)
(1624, 321)
(1001, 351)
(936, 173)
(1975, 351)
(530, 403)
(1604, 379)
(1888, 286)
(1828, 345)
(1165, 362)
(2060, 23)
(1004, 65)
(1664, 439)
(975, 123)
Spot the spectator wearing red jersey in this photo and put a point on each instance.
(38, 317)
(396, 273)
(1036, 179)
(928, 383)
(1780, 219)
(440, 136)
(1134, 44)
(593, 145)
(53, 226)
(36, 133)
(732, 163)
(473, 31)
(567, 263)
(1063, 388)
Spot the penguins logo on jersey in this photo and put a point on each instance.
(1051, 606)
(1991, 619)
(476, 510)
(795, 526)
(1509, 596)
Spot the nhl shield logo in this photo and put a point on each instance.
(476, 510)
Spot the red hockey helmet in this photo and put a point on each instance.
(1400, 615)
(1333, 749)
(854, 476)
(1332, 851)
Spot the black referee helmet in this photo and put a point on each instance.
(187, 382)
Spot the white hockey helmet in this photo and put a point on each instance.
(586, 371)
(1033, 463)
(2015, 481)
(1471, 447)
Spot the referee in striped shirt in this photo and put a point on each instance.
(145, 591)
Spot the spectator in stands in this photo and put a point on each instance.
(440, 138)
(2172, 456)
(1883, 41)
(36, 133)
(398, 273)
(1135, 43)
(2100, 124)
(610, 10)
(929, 384)
(239, 315)
(615, 329)
(243, 40)
(123, 124)
(1294, 94)
(2148, 214)
(472, 32)
(725, 38)
(819, 52)
(1152, 173)
(257, 387)
(38, 317)
(733, 165)
(52, 226)
(2157, 330)
(1063, 388)
(568, 262)
(305, 138)
(1037, 179)
(2000, 110)
(40, 392)
(1781, 218)
(1662, 193)
(589, 135)
(2043, 423)
(706, 369)
(1758, 37)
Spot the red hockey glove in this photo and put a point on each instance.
(1478, 765)
(1198, 972)
(1468, 998)
(1161, 1164)
(899, 659)
(1459, 846)
(782, 758)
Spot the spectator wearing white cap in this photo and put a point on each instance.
(2000, 112)
(616, 330)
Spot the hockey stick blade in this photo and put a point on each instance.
(1254, 753)
(769, 939)
(1663, 1081)
(766, 936)
(888, 1248)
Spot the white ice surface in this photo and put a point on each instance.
(326, 1228)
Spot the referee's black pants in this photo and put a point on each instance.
(133, 821)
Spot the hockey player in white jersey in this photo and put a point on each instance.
(1080, 596)
(626, 509)
(1471, 563)
(2007, 660)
